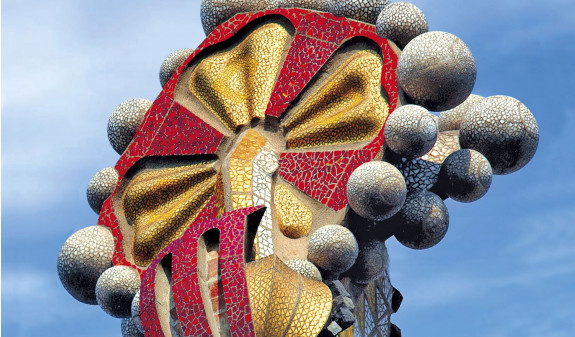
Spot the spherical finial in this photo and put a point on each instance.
(101, 187)
(136, 316)
(361, 10)
(410, 131)
(401, 22)
(503, 130)
(376, 190)
(171, 64)
(465, 175)
(115, 290)
(436, 70)
(215, 12)
(450, 120)
(129, 328)
(83, 258)
(333, 248)
(318, 5)
(305, 268)
(371, 261)
(423, 221)
(125, 121)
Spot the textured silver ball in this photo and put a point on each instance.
(333, 248)
(410, 131)
(423, 220)
(83, 258)
(318, 5)
(361, 10)
(503, 130)
(451, 119)
(436, 70)
(171, 64)
(136, 316)
(125, 121)
(376, 190)
(465, 175)
(101, 187)
(305, 268)
(401, 22)
(215, 12)
(129, 329)
(115, 290)
(372, 260)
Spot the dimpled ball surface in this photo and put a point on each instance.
(83, 258)
(125, 121)
(305, 268)
(450, 120)
(436, 70)
(116, 289)
(503, 130)
(171, 64)
(101, 187)
(372, 259)
(401, 22)
(333, 248)
(136, 317)
(410, 131)
(215, 12)
(361, 10)
(423, 221)
(129, 328)
(318, 5)
(465, 175)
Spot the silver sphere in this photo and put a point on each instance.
(436, 70)
(136, 316)
(215, 12)
(129, 329)
(401, 22)
(305, 268)
(333, 248)
(318, 5)
(376, 190)
(423, 221)
(503, 130)
(410, 131)
(171, 64)
(451, 119)
(372, 260)
(125, 121)
(361, 10)
(465, 175)
(83, 258)
(101, 187)
(115, 290)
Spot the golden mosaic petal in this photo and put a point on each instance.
(347, 108)
(294, 217)
(161, 203)
(285, 303)
(235, 85)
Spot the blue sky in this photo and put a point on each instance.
(506, 267)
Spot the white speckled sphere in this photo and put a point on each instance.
(136, 316)
(215, 12)
(125, 121)
(171, 64)
(410, 131)
(361, 10)
(372, 260)
(101, 187)
(83, 258)
(465, 175)
(401, 22)
(305, 268)
(129, 329)
(318, 5)
(503, 130)
(333, 248)
(376, 190)
(436, 70)
(451, 119)
(116, 289)
(423, 220)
